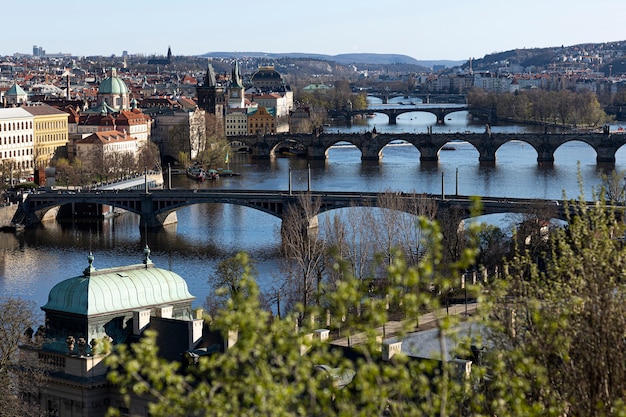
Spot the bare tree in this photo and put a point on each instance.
(614, 186)
(350, 239)
(20, 375)
(149, 157)
(225, 281)
(399, 225)
(302, 252)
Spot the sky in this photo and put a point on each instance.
(422, 29)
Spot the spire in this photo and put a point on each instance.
(209, 79)
(87, 271)
(147, 261)
(236, 76)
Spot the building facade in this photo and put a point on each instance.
(178, 130)
(236, 121)
(109, 151)
(262, 122)
(17, 138)
(50, 133)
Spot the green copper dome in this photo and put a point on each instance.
(117, 289)
(113, 85)
(15, 90)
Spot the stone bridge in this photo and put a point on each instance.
(158, 207)
(487, 144)
(439, 112)
(384, 96)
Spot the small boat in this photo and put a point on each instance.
(448, 148)
(370, 115)
(212, 174)
(196, 173)
(227, 173)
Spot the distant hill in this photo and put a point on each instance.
(344, 59)
(606, 57)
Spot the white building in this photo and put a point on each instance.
(17, 140)
(236, 121)
(102, 149)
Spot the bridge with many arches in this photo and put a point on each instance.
(371, 144)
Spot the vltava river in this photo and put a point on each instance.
(32, 262)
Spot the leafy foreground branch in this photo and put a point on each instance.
(552, 343)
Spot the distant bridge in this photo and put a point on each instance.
(487, 144)
(384, 96)
(158, 207)
(439, 112)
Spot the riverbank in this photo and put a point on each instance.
(6, 214)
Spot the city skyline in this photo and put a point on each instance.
(455, 31)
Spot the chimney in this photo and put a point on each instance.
(195, 331)
(391, 347)
(198, 313)
(321, 334)
(231, 339)
(141, 318)
(305, 343)
(164, 312)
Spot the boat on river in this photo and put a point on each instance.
(227, 173)
(211, 174)
(196, 173)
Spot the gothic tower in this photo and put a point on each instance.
(211, 94)
(236, 90)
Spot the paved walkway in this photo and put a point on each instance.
(392, 328)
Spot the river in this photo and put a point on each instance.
(35, 260)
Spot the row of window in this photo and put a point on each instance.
(16, 153)
(8, 126)
(57, 137)
(57, 124)
(11, 140)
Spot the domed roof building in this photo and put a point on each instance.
(88, 314)
(114, 91)
(99, 303)
(266, 78)
(15, 95)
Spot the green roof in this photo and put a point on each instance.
(117, 289)
(15, 90)
(113, 85)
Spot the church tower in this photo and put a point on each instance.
(211, 94)
(236, 97)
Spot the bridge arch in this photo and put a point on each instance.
(38, 213)
(583, 149)
(505, 146)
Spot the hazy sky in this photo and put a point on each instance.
(425, 30)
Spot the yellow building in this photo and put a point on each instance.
(262, 121)
(50, 132)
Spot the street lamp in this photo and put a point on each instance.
(289, 180)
